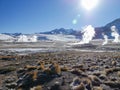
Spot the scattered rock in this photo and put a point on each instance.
(56, 86)
(103, 77)
(5, 70)
(112, 84)
(95, 80)
(118, 73)
(37, 88)
(97, 88)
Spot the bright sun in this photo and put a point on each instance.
(89, 4)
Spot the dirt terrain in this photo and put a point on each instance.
(60, 68)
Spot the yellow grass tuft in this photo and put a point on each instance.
(37, 88)
(64, 68)
(57, 68)
(80, 87)
(118, 73)
(114, 63)
(108, 71)
(97, 88)
(29, 67)
(35, 75)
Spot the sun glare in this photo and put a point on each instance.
(89, 4)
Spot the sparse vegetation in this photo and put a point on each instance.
(64, 68)
(35, 75)
(37, 88)
(29, 67)
(93, 70)
(41, 65)
(118, 73)
(97, 88)
(4, 70)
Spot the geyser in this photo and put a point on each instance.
(24, 38)
(105, 39)
(115, 34)
(88, 34)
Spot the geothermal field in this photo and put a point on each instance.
(55, 65)
(27, 63)
(59, 44)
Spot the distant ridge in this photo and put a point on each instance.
(73, 33)
(106, 29)
(61, 31)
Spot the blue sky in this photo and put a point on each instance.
(31, 16)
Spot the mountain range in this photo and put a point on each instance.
(69, 33)
(106, 29)
(99, 30)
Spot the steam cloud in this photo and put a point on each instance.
(105, 39)
(33, 39)
(115, 34)
(24, 38)
(88, 34)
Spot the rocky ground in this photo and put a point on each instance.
(67, 70)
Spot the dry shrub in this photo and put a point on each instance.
(97, 73)
(112, 84)
(97, 88)
(28, 67)
(103, 77)
(35, 75)
(77, 84)
(4, 70)
(114, 63)
(41, 66)
(94, 67)
(108, 71)
(40, 62)
(76, 71)
(8, 57)
(78, 66)
(116, 69)
(48, 71)
(57, 68)
(19, 89)
(88, 83)
(79, 87)
(118, 73)
(37, 88)
(64, 68)
(95, 80)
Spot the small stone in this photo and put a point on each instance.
(11, 85)
(56, 86)
(97, 88)
(103, 77)
(9, 80)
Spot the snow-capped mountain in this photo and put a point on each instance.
(57, 37)
(106, 29)
(61, 31)
(13, 34)
(99, 30)
(62, 34)
(4, 37)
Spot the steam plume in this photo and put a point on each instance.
(115, 34)
(33, 39)
(24, 38)
(105, 39)
(88, 34)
